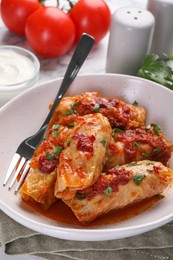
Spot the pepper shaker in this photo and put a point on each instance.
(163, 32)
(129, 40)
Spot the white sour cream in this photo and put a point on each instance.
(14, 67)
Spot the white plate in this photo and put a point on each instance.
(23, 115)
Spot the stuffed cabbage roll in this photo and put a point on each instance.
(119, 113)
(119, 187)
(138, 144)
(40, 181)
(81, 163)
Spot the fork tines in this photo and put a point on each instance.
(18, 165)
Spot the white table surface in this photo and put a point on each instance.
(53, 68)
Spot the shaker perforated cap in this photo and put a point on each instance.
(134, 17)
(130, 40)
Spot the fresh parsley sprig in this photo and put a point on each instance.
(157, 70)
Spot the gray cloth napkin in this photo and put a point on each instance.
(15, 239)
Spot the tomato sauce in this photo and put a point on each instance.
(85, 142)
(60, 212)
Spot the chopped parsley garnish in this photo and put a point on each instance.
(69, 111)
(80, 196)
(117, 130)
(137, 144)
(56, 133)
(156, 128)
(148, 162)
(74, 105)
(135, 103)
(132, 164)
(145, 155)
(55, 127)
(113, 136)
(68, 141)
(116, 167)
(57, 150)
(157, 149)
(103, 142)
(96, 108)
(159, 196)
(71, 124)
(138, 179)
(49, 156)
(108, 190)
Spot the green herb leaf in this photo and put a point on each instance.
(103, 142)
(145, 155)
(69, 111)
(68, 141)
(138, 179)
(96, 108)
(71, 124)
(159, 196)
(132, 164)
(108, 190)
(169, 57)
(157, 70)
(49, 156)
(56, 133)
(117, 130)
(55, 127)
(157, 149)
(114, 137)
(80, 196)
(57, 150)
(148, 162)
(135, 103)
(156, 128)
(137, 144)
(74, 105)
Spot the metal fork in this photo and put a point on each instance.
(21, 159)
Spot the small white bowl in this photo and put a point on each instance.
(19, 70)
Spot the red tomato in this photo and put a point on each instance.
(92, 17)
(14, 13)
(50, 32)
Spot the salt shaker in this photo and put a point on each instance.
(163, 33)
(129, 40)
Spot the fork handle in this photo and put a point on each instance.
(81, 52)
